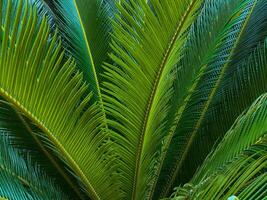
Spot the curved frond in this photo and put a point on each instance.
(148, 36)
(242, 170)
(52, 94)
(213, 105)
(244, 178)
(248, 129)
(23, 135)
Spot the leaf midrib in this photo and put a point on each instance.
(152, 96)
(175, 170)
(88, 51)
(49, 156)
(54, 140)
(98, 90)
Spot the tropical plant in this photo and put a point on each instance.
(133, 99)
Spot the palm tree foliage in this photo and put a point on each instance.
(130, 99)
(242, 170)
(16, 170)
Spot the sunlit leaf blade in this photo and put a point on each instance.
(147, 38)
(53, 95)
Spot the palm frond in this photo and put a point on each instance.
(246, 131)
(24, 135)
(52, 95)
(147, 38)
(242, 170)
(205, 28)
(209, 112)
(21, 179)
(244, 177)
(85, 28)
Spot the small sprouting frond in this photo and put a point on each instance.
(52, 94)
(21, 179)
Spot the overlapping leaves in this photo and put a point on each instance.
(53, 95)
(242, 170)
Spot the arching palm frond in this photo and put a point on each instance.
(215, 102)
(251, 125)
(242, 170)
(26, 137)
(148, 36)
(53, 96)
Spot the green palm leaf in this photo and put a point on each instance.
(242, 170)
(146, 43)
(128, 102)
(25, 136)
(215, 102)
(53, 96)
(85, 27)
(205, 28)
(21, 179)
(252, 123)
(244, 177)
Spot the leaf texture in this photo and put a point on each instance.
(21, 179)
(53, 95)
(240, 172)
(26, 137)
(138, 89)
(215, 104)
(85, 26)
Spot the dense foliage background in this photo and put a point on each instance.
(133, 99)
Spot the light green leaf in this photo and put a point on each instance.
(52, 94)
(147, 38)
